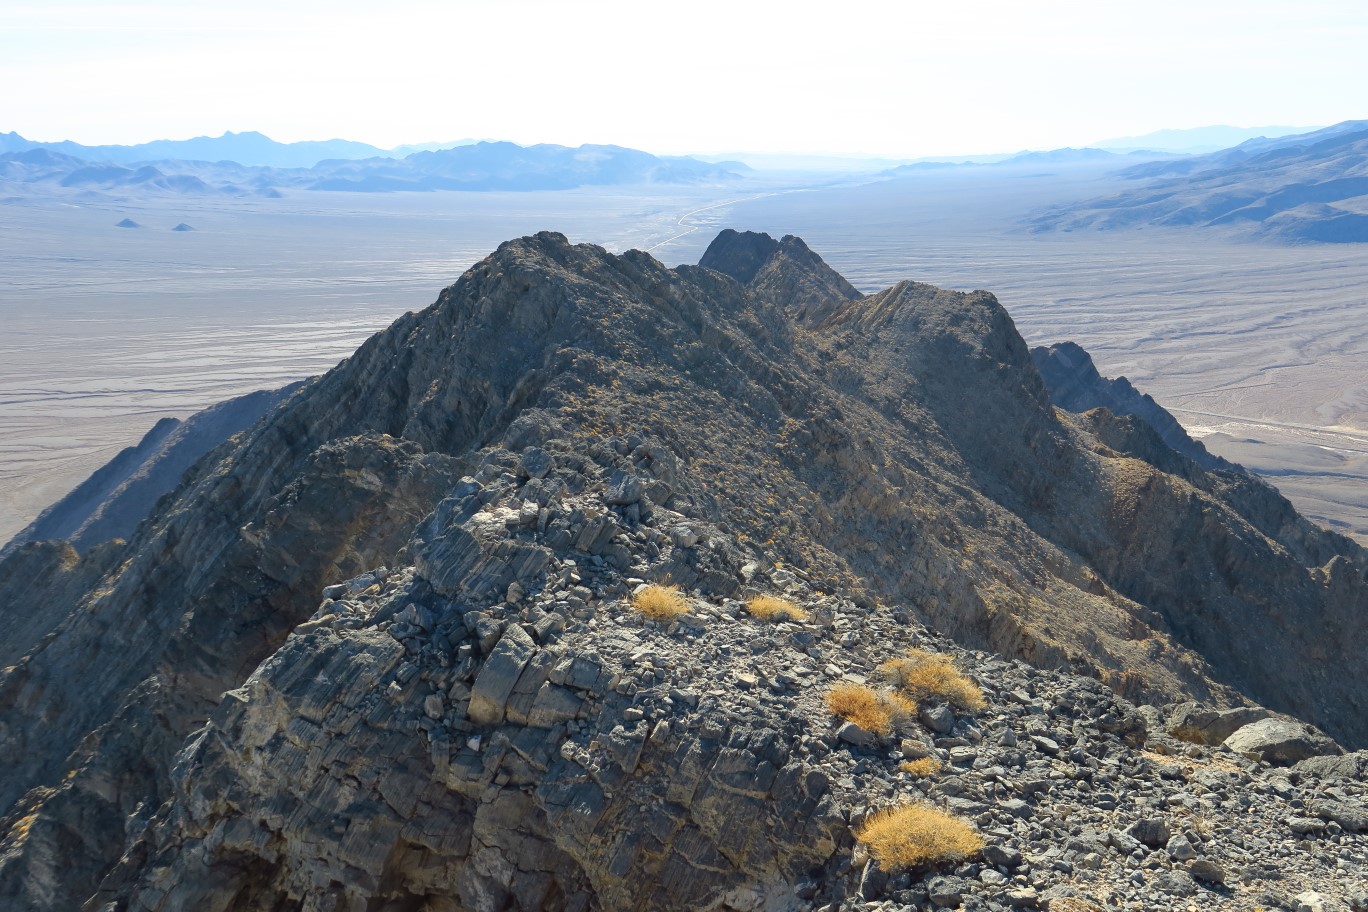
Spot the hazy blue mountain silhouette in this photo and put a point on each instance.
(1195, 140)
(1310, 187)
(472, 167)
(508, 166)
(250, 148)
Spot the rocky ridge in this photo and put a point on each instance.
(495, 727)
(1075, 384)
(115, 499)
(898, 449)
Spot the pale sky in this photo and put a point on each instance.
(902, 78)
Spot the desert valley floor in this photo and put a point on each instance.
(1257, 348)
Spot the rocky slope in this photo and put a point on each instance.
(559, 404)
(551, 749)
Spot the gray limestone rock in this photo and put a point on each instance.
(496, 680)
(1152, 831)
(946, 892)
(1206, 871)
(938, 718)
(1280, 741)
(1196, 723)
(1175, 883)
(1347, 766)
(1006, 856)
(623, 489)
(850, 733)
(1352, 817)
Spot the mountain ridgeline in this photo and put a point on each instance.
(171, 169)
(1310, 187)
(477, 491)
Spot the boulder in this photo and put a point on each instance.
(1152, 831)
(1206, 870)
(1280, 741)
(1202, 725)
(1346, 766)
(1352, 817)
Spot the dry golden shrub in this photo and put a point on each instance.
(772, 609)
(921, 767)
(1076, 904)
(917, 835)
(660, 603)
(19, 833)
(873, 710)
(924, 675)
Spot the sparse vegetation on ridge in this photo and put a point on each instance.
(922, 767)
(923, 675)
(916, 836)
(773, 609)
(660, 603)
(877, 711)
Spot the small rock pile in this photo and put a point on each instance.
(496, 727)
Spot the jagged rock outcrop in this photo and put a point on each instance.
(111, 692)
(1075, 384)
(437, 748)
(784, 273)
(897, 449)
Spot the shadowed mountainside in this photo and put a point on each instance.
(900, 447)
(111, 502)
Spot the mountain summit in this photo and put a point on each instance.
(475, 718)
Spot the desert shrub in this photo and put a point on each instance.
(769, 608)
(877, 711)
(660, 603)
(19, 833)
(921, 767)
(916, 836)
(925, 675)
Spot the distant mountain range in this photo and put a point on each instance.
(1195, 140)
(250, 148)
(1308, 187)
(85, 170)
(1067, 157)
(508, 166)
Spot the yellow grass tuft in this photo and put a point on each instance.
(873, 710)
(769, 608)
(660, 603)
(916, 836)
(921, 768)
(924, 675)
(19, 833)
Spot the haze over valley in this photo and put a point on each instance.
(111, 328)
